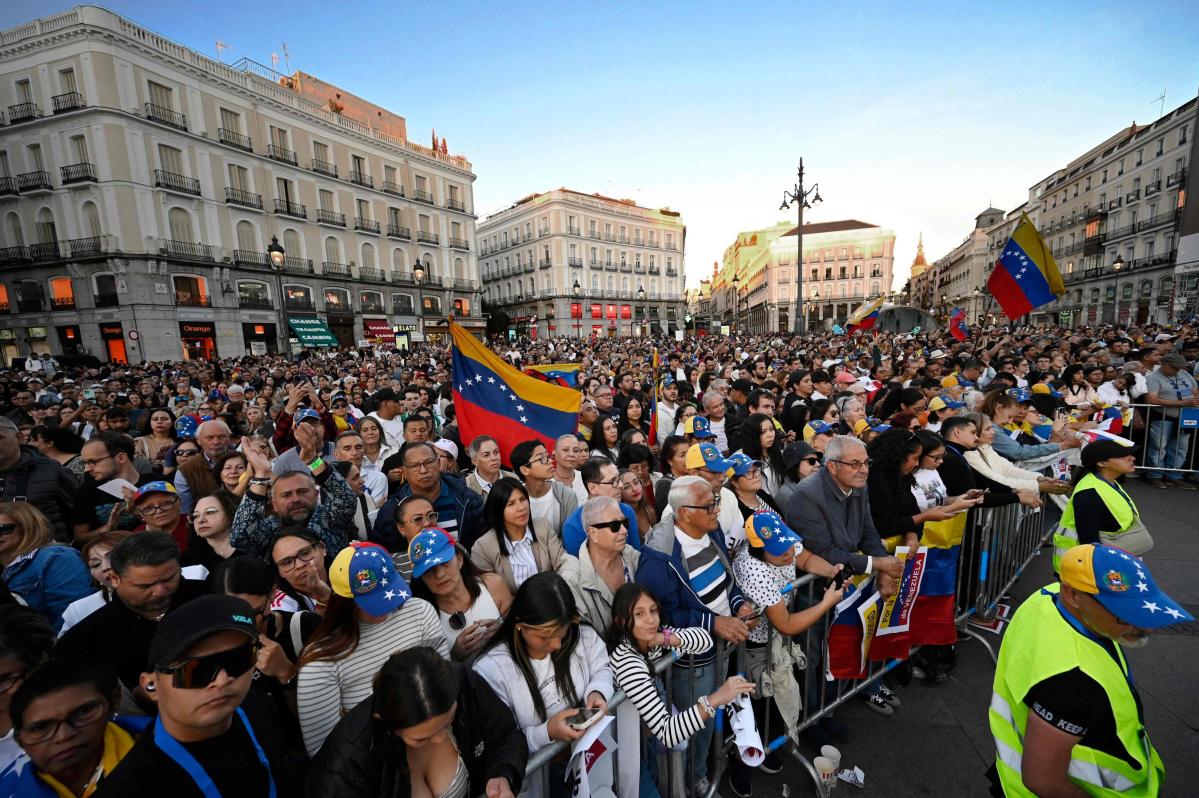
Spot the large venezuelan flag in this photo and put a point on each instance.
(865, 317)
(493, 398)
(1026, 275)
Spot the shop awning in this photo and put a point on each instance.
(379, 330)
(311, 331)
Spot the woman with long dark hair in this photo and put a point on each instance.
(61, 444)
(634, 415)
(546, 667)
(895, 456)
(516, 545)
(370, 616)
(1078, 392)
(605, 438)
(471, 604)
(429, 728)
(672, 462)
(157, 437)
(766, 447)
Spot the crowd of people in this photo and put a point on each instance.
(293, 576)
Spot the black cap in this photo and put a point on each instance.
(743, 385)
(384, 395)
(796, 452)
(197, 619)
(1097, 451)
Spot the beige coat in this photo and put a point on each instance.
(592, 595)
(548, 552)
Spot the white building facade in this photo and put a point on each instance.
(141, 184)
(564, 263)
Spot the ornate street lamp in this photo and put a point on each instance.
(798, 196)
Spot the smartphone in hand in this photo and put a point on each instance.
(584, 718)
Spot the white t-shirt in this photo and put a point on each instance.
(718, 603)
(718, 436)
(543, 672)
(547, 507)
(393, 429)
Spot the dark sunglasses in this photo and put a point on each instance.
(458, 621)
(195, 674)
(811, 461)
(7, 529)
(612, 526)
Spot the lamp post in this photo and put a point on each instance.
(945, 307)
(816, 301)
(798, 196)
(977, 293)
(1117, 265)
(644, 310)
(418, 272)
(578, 289)
(278, 258)
(736, 288)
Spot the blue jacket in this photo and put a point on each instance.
(469, 515)
(663, 572)
(48, 580)
(20, 777)
(1005, 446)
(573, 533)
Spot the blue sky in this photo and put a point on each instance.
(912, 116)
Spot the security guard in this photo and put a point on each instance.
(1098, 503)
(1065, 713)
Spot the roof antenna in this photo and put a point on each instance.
(286, 58)
(1162, 109)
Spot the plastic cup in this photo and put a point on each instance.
(828, 773)
(833, 755)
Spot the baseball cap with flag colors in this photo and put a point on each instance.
(765, 530)
(1122, 584)
(706, 455)
(364, 572)
(431, 548)
(697, 426)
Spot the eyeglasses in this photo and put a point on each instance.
(708, 508)
(428, 519)
(157, 509)
(612, 526)
(83, 715)
(614, 482)
(423, 465)
(936, 458)
(195, 674)
(9, 679)
(186, 452)
(304, 555)
(812, 461)
(457, 621)
(98, 460)
(544, 459)
(855, 465)
(8, 529)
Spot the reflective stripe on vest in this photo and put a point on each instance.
(1065, 537)
(1039, 643)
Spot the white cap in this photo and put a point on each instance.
(1157, 339)
(447, 446)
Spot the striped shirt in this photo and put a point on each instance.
(634, 677)
(706, 572)
(520, 557)
(325, 690)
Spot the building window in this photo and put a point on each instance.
(161, 95)
(337, 300)
(170, 159)
(402, 304)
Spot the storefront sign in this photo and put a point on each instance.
(257, 347)
(110, 332)
(197, 329)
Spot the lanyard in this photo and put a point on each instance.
(184, 759)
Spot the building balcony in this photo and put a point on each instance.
(672, 272)
(23, 112)
(655, 270)
(255, 303)
(323, 167)
(374, 307)
(1132, 196)
(403, 278)
(235, 196)
(366, 225)
(165, 116)
(543, 232)
(1176, 179)
(86, 247)
(32, 305)
(14, 256)
(107, 301)
(392, 187)
(301, 305)
(575, 262)
(338, 309)
(427, 238)
(638, 268)
(332, 269)
(234, 139)
(77, 173)
(670, 245)
(544, 264)
(361, 179)
(189, 300)
(1169, 217)
(626, 268)
(459, 243)
(288, 208)
(403, 309)
(637, 242)
(455, 205)
(246, 257)
(465, 285)
(431, 311)
(399, 231)
(8, 185)
(422, 196)
(609, 266)
(297, 265)
(282, 154)
(45, 251)
(186, 250)
(330, 217)
(593, 234)
(1153, 188)
(173, 182)
(609, 237)
(573, 231)
(34, 181)
(528, 267)
(375, 275)
(71, 101)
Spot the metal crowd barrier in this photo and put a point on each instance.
(1165, 435)
(997, 546)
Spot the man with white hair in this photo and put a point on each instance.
(214, 439)
(714, 409)
(689, 572)
(606, 561)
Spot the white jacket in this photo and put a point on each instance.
(993, 466)
(589, 670)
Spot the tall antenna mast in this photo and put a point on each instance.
(1162, 108)
(286, 59)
